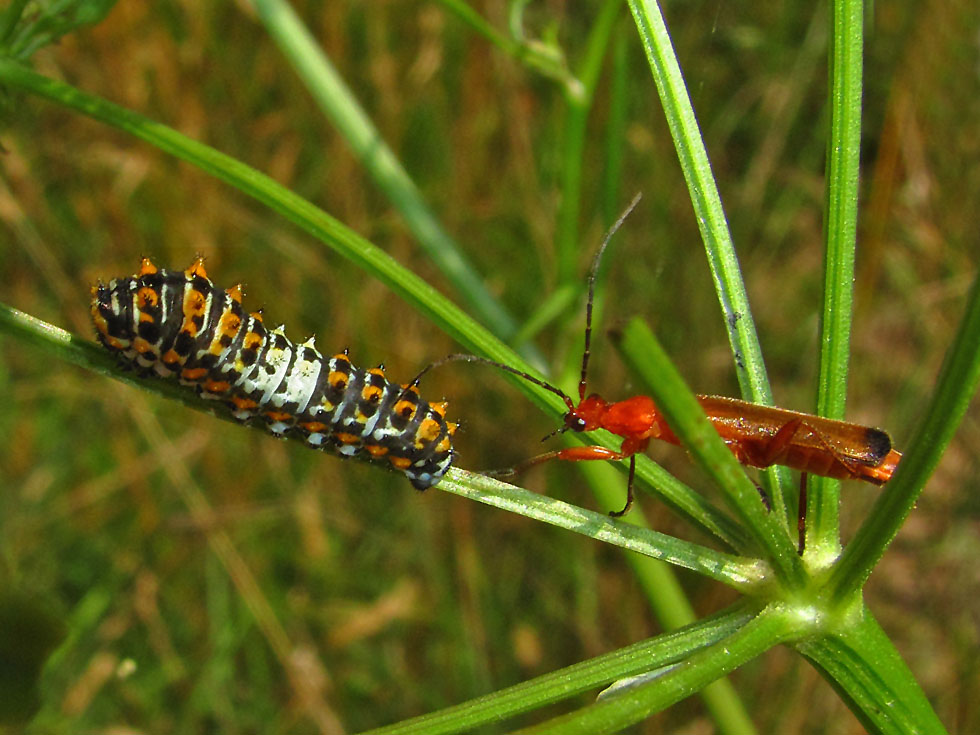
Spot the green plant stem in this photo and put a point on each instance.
(339, 104)
(862, 664)
(657, 579)
(66, 347)
(705, 199)
(560, 685)
(477, 22)
(663, 592)
(310, 218)
(750, 368)
(350, 245)
(684, 415)
(955, 388)
(673, 611)
(674, 493)
(313, 220)
(615, 712)
(840, 236)
(615, 137)
(554, 305)
(741, 573)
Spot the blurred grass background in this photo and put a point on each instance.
(378, 603)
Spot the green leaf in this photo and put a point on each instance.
(612, 714)
(557, 686)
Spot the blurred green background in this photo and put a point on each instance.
(374, 603)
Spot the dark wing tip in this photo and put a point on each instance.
(879, 445)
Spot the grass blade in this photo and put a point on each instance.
(738, 572)
(705, 199)
(339, 104)
(310, 218)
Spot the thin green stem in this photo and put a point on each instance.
(673, 610)
(573, 143)
(545, 58)
(633, 704)
(612, 175)
(675, 494)
(350, 245)
(684, 415)
(339, 104)
(479, 24)
(62, 345)
(840, 236)
(750, 367)
(560, 685)
(706, 200)
(555, 305)
(955, 388)
(739, 572)
(310, 218)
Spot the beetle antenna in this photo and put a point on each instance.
(593, 273)
(463, 357)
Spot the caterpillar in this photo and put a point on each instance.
(178, 324)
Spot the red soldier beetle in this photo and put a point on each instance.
(759, 436)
